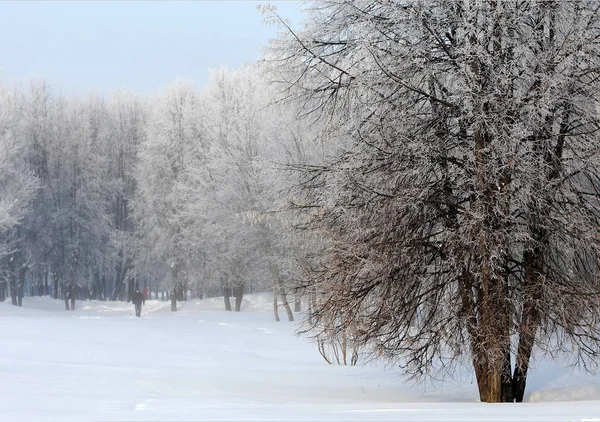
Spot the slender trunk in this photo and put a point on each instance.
(344, 347)
(22, 273)
(73, 293)
(173, 301)
(239, 295)
(121, 274)
(67, 301)
(13, 288)
(286, 305)
(275, 305)
(526, 341)
(284, 300)
(55, 288)
(45, 288)
(175, 279)
(507, 395)
(298, 302)
(226, 296)
(530, 318)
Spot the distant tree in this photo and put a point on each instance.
(128, 131)
(242, 232)
(234, 126)
(460, 196)
(18, 185)
(173, 132)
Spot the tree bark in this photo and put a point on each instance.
(239, 295)
(73, 293)
(173, 302)
(175, 279)
(226, 295)
(22, 273)
(55, 288)
(530, 319)
(13, 288)
(286, 305)
(275, 305)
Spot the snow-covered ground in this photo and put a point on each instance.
(101, 363)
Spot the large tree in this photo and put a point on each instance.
(460, 196)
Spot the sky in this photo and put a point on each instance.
(141, 46)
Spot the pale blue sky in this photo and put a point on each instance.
(138, 45)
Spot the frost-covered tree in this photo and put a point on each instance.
(127, 131)
(174, 131)
(68, 227)
(18, 185)
(234, 126)
(240, 230)
(287, 142)
(460, 196)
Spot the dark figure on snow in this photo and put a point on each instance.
(144, 294)
(137, 300)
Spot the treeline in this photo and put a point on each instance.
(176, 192)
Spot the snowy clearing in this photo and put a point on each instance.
(102, 363)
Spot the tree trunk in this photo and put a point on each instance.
(22, 273)
(173, 301)
(120, 279)
(298, 302)
(55, 288)
(519, 380)
(176, 287)
(286, 305)
(507, 379)
(489, 383)
(226, 295)
(66, 301)
(529, 319)
(73, 293)
(275, 305)
(239, 295)
(13, 288)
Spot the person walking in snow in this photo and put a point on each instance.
(137, 300)
(144, 294)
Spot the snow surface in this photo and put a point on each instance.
(101, 363)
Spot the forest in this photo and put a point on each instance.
(424, 175)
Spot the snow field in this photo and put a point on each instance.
(100, 362)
